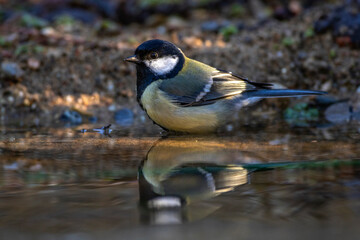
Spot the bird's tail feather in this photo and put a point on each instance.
(277, 93)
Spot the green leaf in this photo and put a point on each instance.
(29, 47)
(65, 20)
(309, 33)
(288, 41)
(301, 114)
(332, 53)
(237, 10)
(29, 20)
(228, 31)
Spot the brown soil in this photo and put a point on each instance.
(78, 69)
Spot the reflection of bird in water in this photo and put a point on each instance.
(180, 171)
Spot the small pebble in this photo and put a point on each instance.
(110, 86)
(11, 167)
(338, 112)
(12, 70)
(93, 119)
(326, 86)
(210, 26)
(112, 108)
(48, 31)
(214, 26)
(72, 117)
(161, 30)
(33, 63)
(229, 128)
(124, 117)
(175, 22)
(302, 54)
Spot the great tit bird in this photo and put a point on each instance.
(184, 95)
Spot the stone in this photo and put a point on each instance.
(124, 117)
(338, 112)
(72, 117)
(12, 70)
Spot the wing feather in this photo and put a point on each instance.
(220, 85)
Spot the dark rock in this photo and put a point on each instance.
(210, 26)
(72, 117)
(5, 15)
(344, 22)
(93, 119)
(283, 13)
(124, 117)
(86, 11)
(240, 26)
(214, 26)
(338, 112)
(105, 8)
(78, 14)
(131, 11)
(302, 55)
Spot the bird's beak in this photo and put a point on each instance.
(132, 59)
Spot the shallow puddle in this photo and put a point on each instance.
(273, 182)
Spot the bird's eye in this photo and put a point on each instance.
(153, 55)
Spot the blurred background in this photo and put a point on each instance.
(291, 171)
(62, 60)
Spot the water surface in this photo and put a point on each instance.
(272, 182)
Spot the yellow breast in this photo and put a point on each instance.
(173, 117)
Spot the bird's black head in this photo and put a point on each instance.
(156, 59)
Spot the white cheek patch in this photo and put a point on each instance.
(161, 66)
